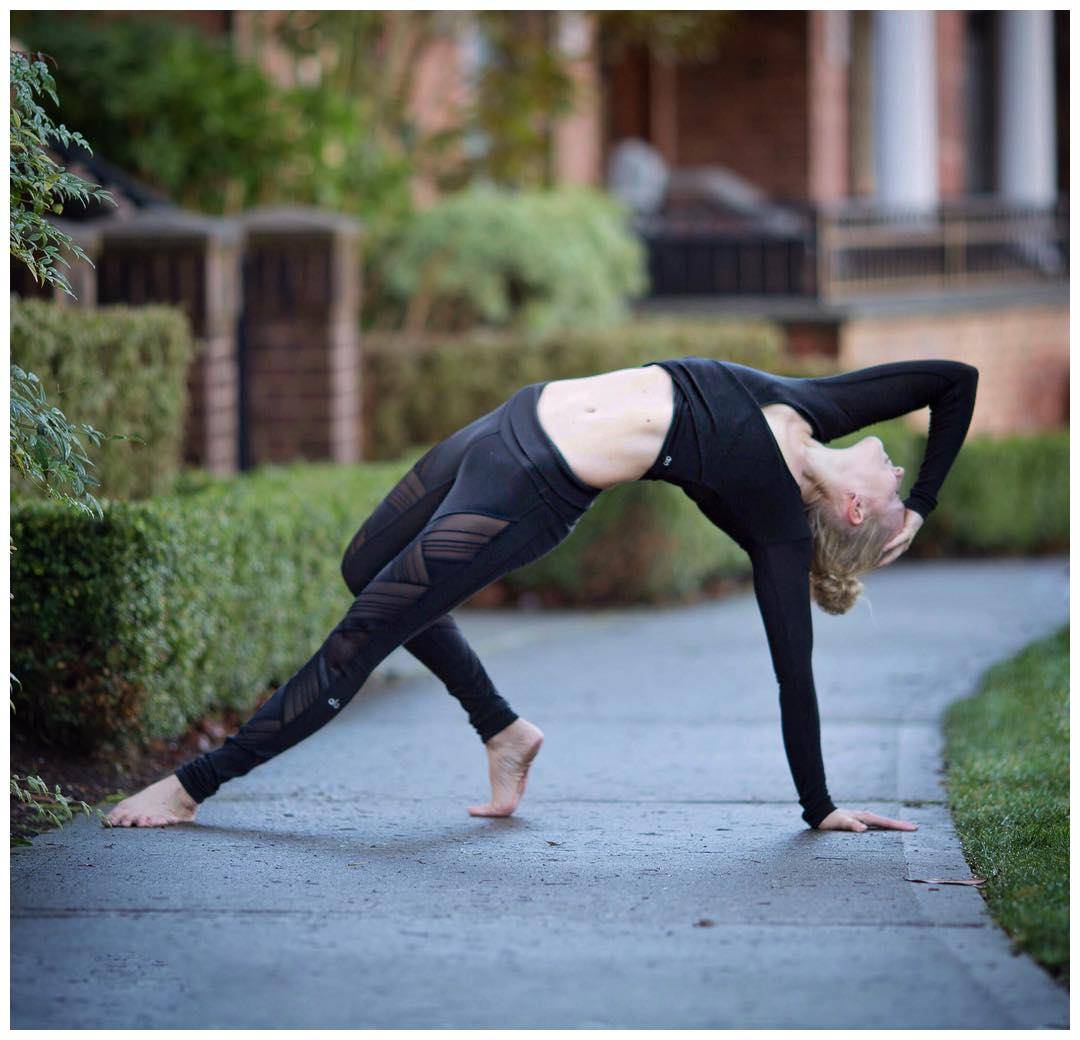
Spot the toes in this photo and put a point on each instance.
(489, 810)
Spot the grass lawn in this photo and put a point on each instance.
(1007, 754)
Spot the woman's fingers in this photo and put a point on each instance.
(889, 554)
(885, 822)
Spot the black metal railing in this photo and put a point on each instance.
(858, 250)
(969, 244)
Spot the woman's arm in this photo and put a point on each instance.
(849, 401)
(782, 587)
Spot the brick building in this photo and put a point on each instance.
(922, 158)
(892, 184)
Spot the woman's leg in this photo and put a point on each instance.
(492, 520)
(441, 647)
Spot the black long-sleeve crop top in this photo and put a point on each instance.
(721, 451)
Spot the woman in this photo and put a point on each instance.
(747, 446)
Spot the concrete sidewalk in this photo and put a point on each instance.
(657, 874)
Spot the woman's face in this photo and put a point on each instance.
(874, 474)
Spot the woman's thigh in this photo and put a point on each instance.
(410, 502)
(492, 520)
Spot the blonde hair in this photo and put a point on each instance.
(841, 550)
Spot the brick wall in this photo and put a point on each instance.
(950, 27)
(576, 144)
(828, 58)
(1022, 354)
(301, 333)
(747, 108)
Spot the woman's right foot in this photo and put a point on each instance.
(510, 753)
(158, 805)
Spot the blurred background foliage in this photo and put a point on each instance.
(187, 115)
(533, 261)
(184, 114)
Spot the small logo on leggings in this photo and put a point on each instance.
(667, 460)
(334, 703)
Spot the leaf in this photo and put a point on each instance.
(948, 881)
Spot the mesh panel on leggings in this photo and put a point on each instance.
(459, 536)
(302, 689)
(378, 604)
(404, 494)
(444, 545)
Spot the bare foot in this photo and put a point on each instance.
(510, 753)
(158, 805)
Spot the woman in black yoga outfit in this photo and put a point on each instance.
(747, 446)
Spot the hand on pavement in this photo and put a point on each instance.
(847, 820)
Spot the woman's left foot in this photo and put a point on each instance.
(158, 805)
(510, 753)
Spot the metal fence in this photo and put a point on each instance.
(857, 250)
(974, 243)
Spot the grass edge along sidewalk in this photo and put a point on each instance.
(1007, 761)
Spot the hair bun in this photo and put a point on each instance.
(835, 593)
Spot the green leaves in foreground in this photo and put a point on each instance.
(1008, 762)
(39, 186)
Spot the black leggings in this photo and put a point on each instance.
(490, 498)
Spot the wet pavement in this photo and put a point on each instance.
(657, 874)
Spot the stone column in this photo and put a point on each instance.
(905, 109)
(301, 336)
(1026, 153)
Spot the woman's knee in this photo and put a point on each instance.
(353, 567)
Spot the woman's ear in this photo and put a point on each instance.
(854, 508)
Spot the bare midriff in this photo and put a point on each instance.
(609, 427)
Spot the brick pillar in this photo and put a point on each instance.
(950, 82)
(577, 135)
(191, 261)
(828, 56)
(664, 108)
(301, 336)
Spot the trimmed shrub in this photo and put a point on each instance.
(532, 260)
(139, 623)
(121, 369)
(422, 391)
(1004, 495)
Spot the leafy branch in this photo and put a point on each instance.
(46, 447)
(39, 185)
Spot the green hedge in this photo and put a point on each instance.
(122, 370)
(1004, 495)
(422, 391)
(140, 623)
